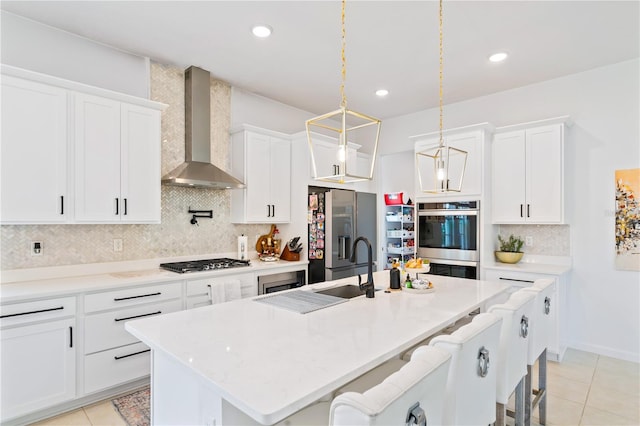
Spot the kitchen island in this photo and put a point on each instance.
(256, 363)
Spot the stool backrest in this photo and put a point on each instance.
(516, 315)
(417, 387)
(471, 386)
(544, 317)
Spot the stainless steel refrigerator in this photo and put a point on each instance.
(344, 216)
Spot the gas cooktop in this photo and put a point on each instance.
(204, 265)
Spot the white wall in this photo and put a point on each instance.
(604, 104)
(41, 48)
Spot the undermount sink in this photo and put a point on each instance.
(344, 291)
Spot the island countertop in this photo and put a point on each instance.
(269, 362)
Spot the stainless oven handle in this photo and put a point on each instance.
(448, 213)
(453, 262)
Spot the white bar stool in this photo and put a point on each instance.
(412, 395)
(540, 336)
(470, 396)
(512, 354)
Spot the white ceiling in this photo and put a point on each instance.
(390, 44)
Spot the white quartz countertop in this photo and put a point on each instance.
(552, 265)
(69, 285)
(270, 362)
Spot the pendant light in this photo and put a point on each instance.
(335, 129)
(441, 168)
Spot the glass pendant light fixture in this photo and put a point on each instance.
(342, 132)
(441, 168)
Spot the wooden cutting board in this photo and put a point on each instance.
(264, 238)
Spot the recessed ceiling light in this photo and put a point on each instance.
(382, 92)
(498, 57)
(262, 31)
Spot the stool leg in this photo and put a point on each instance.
(519, 420)
(542, 387)
(501, 413)
(527, 396)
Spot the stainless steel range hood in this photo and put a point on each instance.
(197, 170)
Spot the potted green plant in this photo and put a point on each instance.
(510, 249)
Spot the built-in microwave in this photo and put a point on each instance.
(281, 281)
(449, 235)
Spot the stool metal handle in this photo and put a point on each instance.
(416, 416)
(483, 362)
(524, 327)
(547, 305)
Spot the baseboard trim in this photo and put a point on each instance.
(606, 351)
(76, 403)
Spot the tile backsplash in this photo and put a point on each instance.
(175, 236)
(549, 240)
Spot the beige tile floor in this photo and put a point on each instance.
(585, 389)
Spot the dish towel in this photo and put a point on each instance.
(232, 289)
(217, 293)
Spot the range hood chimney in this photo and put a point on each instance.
(197, 170)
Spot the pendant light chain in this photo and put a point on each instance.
(343, 102)
(440, 78)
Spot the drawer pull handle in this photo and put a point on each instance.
(32, 312)
(62, 204)
(135, 353)
(70, 336)
(138, 316)
(118, 299)
(520, 281)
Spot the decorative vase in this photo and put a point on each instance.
(509, 256)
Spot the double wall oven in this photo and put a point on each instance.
(449, 235)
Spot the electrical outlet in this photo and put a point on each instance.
(117, 244)
(36, 248)
(528, 241)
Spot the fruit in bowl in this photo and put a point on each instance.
(416, 263)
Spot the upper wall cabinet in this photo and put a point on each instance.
(262, 160)
(117, 161)
(528, 173)
(34, 152)
(72, 153)
(471, 139)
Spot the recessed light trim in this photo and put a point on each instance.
(498, 57)
(382, 93)
(261, 31)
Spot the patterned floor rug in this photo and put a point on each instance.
(134, 408)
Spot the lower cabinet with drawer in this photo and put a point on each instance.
(113, 367)
(112, 356)
(38, 355)
(209, 291)
(518, 280)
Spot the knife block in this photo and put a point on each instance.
(288, 255)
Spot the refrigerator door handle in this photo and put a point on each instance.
(342, 247)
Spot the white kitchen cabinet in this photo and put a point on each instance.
(212, 290)
(262, 160)
(73, 153)
(38, 353)
(328, 160)
(517, 280)
(528, 174)
(471, 139)
(34, 153)
(113, 356)
(117, 161)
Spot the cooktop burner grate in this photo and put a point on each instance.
(204, 265)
